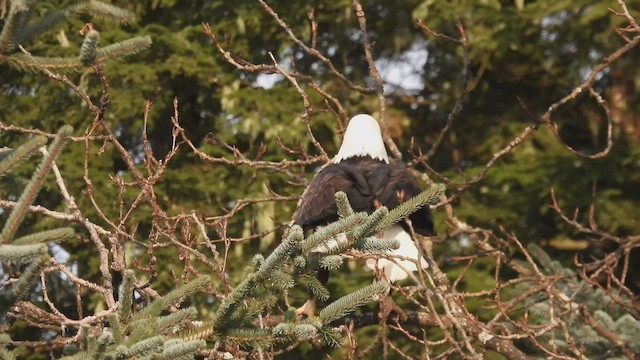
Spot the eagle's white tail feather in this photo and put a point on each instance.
(392, 271)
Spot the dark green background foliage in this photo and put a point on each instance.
(525, 55)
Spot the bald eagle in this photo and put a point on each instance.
(362, 170)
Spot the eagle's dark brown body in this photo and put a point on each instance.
(362, 170)
(369, 184)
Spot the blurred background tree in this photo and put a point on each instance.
(521, 57)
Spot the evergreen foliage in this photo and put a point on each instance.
(149, 333)
(272, 274)
(11, 158)
(410, 206)
(153, 210)
(30, 249)
(153, 310)
(19, 29)
(607, 310)
(351, 302)
(33, 187)
(49, 236)
(146, 334)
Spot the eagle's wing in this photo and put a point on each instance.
(393, 184)
(318, 205)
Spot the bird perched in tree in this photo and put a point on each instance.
(362, 170)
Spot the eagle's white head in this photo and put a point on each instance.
(362, 138)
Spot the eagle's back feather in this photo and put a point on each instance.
(368, 183)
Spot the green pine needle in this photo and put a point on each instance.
(177, 319)
(89, 48)
(351, 302)
(178, 349)
(331, 337)
(331, 262)
(115, 326)
(281, 253)
(29, 277)
(410, 206)
(299, 263)
(316, 287)
(11, 158)
(47, 22)
(123, 48)
(106, 11)
(21, 254)
(300, 332)
(281, 280)
(249, 335)
(276, 260)
(374, 244)
(328, 232)
(27, 62)
(14, 21)
(172, 298)
(203, 331)
(47, 236)
(6, 354)
(126, 295)
(370, 226)
(342, 203)
(146, 346)
(35, 184)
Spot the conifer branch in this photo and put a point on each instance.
(89, 48)
(428, 196)
(351, 302)
(33, 188)
(30, 275)
(6, 354)
(280, 254)
(83, 335)
(330, 262)
(249, 335)
(49, 20)
(331, 230)
(300, 332)
(172, 298)
(126, 295)
(145, 346)
(89, 55)
(282, 281)
(330, 336)
(20, 254)
(203, 331)
(271, 264)
(118, 50)
(374, 244)
(232, 300)
(316, 287)
(178, 349)
(106, 11)
(123, 48)
(33, 63)
(370, 226)
(342, 204)
(47, 236)
(176, 319)
(52, 18)
(13, 23)
(11, 158)
(116, 328)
